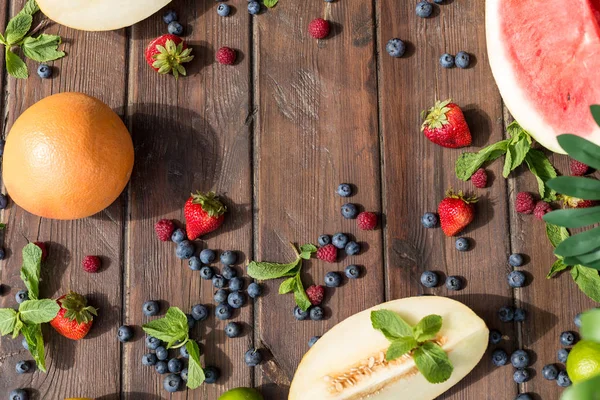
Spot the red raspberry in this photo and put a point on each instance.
(524, 203)
(578, 168)
(541, 209)
(367, 221)
(226, 56)
(91, 264)
(574, 202)
(315, 294)
(479, 178)
(42, 246)
(319, 28)
(327, 253)
(164, 229)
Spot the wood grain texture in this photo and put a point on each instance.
(189, 135)
(89, 367)
(317, 127)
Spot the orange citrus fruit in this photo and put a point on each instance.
(68, 156)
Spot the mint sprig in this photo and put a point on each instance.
(270, 3)
(431, 360)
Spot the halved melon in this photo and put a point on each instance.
(348, 362)
(545, 56)
(99, 15)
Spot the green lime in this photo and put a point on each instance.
(584, 361)
(241, 394)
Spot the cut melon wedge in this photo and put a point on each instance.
(99, 15)
(545, 56)
(348, 362)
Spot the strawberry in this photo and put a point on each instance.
(315, 294)
(456, 212)
(327, 253)
(445, 125)
(204, 213)
(75, 317)
(574, 202)
(166, 54)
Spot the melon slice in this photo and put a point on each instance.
(545, 56)
(348, 362)
(99, 15)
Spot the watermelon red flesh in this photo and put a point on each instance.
(545, 57)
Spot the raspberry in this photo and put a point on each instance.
(367, 221)
(164, 229)
(479, 178)
(42, 246)
(319, 28)
(578, 168)
(541, 209)
(226, 56)
(91, 264)
(327, 253)
(574, 202)
(315, 294)
(524, 203)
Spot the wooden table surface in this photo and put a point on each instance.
(276, 133)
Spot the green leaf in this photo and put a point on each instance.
(15, 66)
(556, 234)
(31, 7)
(17, 28)
(468, 163)
(427, 328)
(300, 295)
(590, 325)
(582, 243)
(289, 285)
(400, 347)
(264, 270)
(588, 281)
(586, 390)
(433, 362)
(30, 271)
(2, 226)
(557, 267)
(35, 342)
(540, 166)
(574, 217)
(581, 149)
(270, 3)
(584, 259)
(308, 248)
(580, 187)
(595, 110)
(18, 326)
(43, 48)
(172, 328)
(390, 324)
(8, 319)
(38, 311)
(195, 372)
(516, 151)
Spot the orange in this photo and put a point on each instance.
(68, 156)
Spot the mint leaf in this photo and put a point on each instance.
(557, 267)
(468, 163)
(590, 325)
(543, 170)
(390, 324)
(38, 311)
(516, 151)
(2, 226)
(172, 328)
(15, 66)
(31, 7)
(427, 328)
(195, 372)
(300, 295)
(308, 248)
(8, 319)
(289, 285)
(270, 3)
(17, 28)
(433, 362)
(400, 347)
(588, 281)
(556, 234)
(30, 271)
(18, 326)
(43, 48)
(264, 270)
(35, 342)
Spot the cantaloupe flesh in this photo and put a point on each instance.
(464, 337)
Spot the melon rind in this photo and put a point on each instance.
(464, 337)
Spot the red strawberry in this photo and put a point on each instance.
(164, 229)
(44, 249)
(166, 54)
(578, 168)
(445, 125)
(456, 212)
(226, 56)
(315, 294)
(91, 264)
(75, 317)
(319, 28)
(479, 178)
(574, 202)
(541, 209)
(204, 213)
(327, 253)
(367, 221)
(524, 203)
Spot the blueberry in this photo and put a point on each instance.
(169, 16)
(199, 312)
(577, 320)
(462, 244)
(516, 279)
(429, 279)
(253, 7)
(495, 337)
(352, 271)
(218, 281)
(178, 236)
(183, 352)
(161, 367)
(25, 344)
(221, 296)
(454, 283)
(175, 28)
(125, 333)
(424, 9)
(152, 343)
(506, 314)
(352, 248)
(324, 240)
(194, 263)
(463, 59)
(316, 313)
(515, 260)
(44, 71)
(175, 365)
(499, 357)
(519, 359)
(18, 394)
(333, 279)
(439, 1)
(236, 299)
(568, 338)
(563, 354)
(313, 340)
(228, 272)
(211, 374)
(236, 284)
(520, 315)
(190, 320)
(223, 311)
(150, 308)
(208, 256)
(254, 290)
(22, 367)
(21, 296)
(252, 358)
(524, 396)
(3, 198)
(223, 10)
(521, 376)
(447, 60)
(233, 330)
(185, 250)
(429, 220)
(172, 382)
(184, 374)
(349, 211)
(563, 379)
(299, 314)
(344, 190)
(206, 273)
(550, 372)
(228, 258)
(395, 48)
(340, 240)
(149, 359)
(162, 353)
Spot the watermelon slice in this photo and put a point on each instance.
(545, 57)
